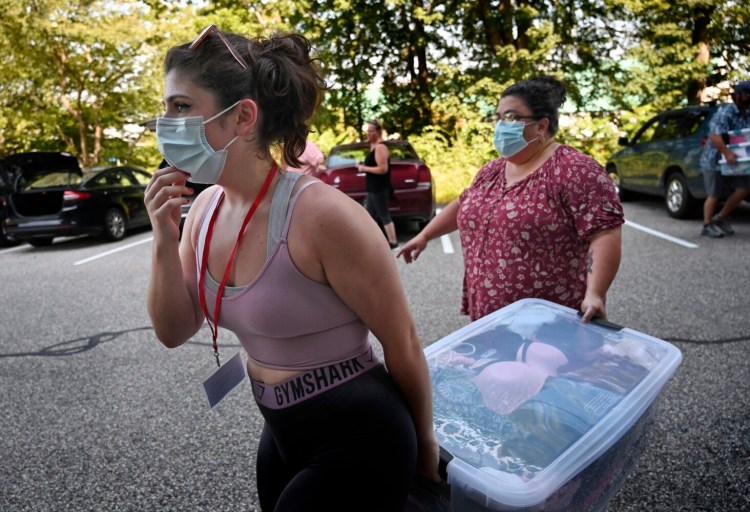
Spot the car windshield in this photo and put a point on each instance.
(53, 180)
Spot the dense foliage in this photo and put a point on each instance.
(83, 76)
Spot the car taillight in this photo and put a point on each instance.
(424, 177)
(74, 195)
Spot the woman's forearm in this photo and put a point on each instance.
(603, 260)
(443, 223)
(170, 304)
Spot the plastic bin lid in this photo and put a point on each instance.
(526, 397)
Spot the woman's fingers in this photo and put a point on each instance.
(164, 198)
(165, 185)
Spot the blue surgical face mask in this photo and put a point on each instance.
(182, 142)
(509, 139)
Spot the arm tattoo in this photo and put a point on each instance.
(590, 263)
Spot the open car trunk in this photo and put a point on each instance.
(40, 181)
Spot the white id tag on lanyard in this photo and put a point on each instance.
(224, 379)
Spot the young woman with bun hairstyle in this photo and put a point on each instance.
(302, 274)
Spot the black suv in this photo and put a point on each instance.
(663, 159)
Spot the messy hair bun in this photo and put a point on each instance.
(281, 78)
(544, 95)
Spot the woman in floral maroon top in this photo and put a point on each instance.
(542, 221)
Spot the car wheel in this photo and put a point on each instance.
(615, 177)
(114, 224)
(5, 240)
(40, 242)
(679, 202)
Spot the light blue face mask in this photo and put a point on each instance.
(182, 142)
(509, 139)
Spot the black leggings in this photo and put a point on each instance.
(377, 203)
(351, 448)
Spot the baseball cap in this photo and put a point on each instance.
(743, 86)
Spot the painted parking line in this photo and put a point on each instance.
(445, 240)
(447, 244)
(113, 251)
(16, 248)
(659, 234)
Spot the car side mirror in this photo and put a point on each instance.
(623, 141)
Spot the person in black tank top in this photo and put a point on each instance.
(377, 167)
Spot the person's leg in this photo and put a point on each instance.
(720, 219)
(733, 202)
(709, 207)
(370, 205)
(354, 448)
(741, 186)
(390, 233)
(713, 181)
(272, 473)
(381, 205)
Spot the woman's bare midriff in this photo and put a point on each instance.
(269, 375)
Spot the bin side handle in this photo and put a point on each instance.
(604, 323)
(445, 458)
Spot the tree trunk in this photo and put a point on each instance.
(701, 21)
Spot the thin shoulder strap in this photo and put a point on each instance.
(204, 224)
(279, 207)
(292, 202)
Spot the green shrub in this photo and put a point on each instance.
(455, 161)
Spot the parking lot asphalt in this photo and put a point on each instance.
(97, 416)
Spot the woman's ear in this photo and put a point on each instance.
(544, 126)
(248, 117)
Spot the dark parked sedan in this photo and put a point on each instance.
(52, 196)
(413, 195)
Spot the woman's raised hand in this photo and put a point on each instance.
(164, 200)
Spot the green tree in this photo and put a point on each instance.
(71, 71)
(682, 47)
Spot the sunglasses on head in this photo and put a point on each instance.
(213, 29)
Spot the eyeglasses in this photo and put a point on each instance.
(211, 29)
(510, 117)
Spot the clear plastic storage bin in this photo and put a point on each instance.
(537, 411)
(742, 166)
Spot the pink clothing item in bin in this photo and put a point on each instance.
(507, 384)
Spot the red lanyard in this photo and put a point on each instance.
(204, 260)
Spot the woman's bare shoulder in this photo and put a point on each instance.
(329, 212)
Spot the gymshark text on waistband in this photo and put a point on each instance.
(312, 382)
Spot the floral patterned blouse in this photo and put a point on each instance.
(530, 239)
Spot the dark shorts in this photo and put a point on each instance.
(716, 183)
(352, 447)
(377, 206)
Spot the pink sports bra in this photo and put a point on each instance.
(283, 319)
